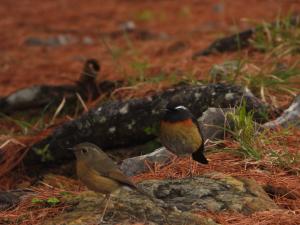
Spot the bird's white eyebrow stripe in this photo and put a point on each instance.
(181, 107)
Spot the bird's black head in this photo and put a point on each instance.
(176, 113)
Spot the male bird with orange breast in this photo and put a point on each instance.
(180, 133)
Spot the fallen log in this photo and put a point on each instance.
(128, 123)
(239, 40)
(50, 96)
(230, 43)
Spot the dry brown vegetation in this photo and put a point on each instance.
(148, 66)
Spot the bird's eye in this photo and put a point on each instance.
(84, 151)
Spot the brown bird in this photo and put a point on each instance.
(180, 133)
(99, 173)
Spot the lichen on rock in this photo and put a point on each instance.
(178, 201)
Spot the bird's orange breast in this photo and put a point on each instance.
(182, 137)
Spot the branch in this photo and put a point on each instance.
(128, 123)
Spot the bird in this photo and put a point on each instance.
(87, 80)
(100, 173)
(181, 134)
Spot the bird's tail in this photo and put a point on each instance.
(199, 156)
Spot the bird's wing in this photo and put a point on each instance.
(108, 168)
(120, 177)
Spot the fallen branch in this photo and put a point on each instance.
(237, 41)
(128, 123)
(230, 43)
(51, 96)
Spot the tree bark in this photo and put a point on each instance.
(135, 121)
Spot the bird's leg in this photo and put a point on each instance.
(191, 161)
(107, 198)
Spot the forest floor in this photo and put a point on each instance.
(152, 62)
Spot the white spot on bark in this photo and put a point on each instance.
(154, 111)
(124, 109)
(181, 107)
(102, 119)
(247, 92)
(112, 129)
(130, 126)
(197, 96)
(229, 96)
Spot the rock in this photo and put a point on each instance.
(127, 26)
(290, 117)
(219, 7)
(9, 199)
(213, 192)
(136, 165)
(87, 40)
(224, 71)
(56, 41)
(125, 208)
(213, 121)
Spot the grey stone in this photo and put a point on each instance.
(224, 71)
(125, 208)
(127, 26)
(219, 7)
(213, 121)
(10, 199)
(136, 165)
(290, 117)
(87, 40)
(212, 192)
(56, 41)
(24, 96)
